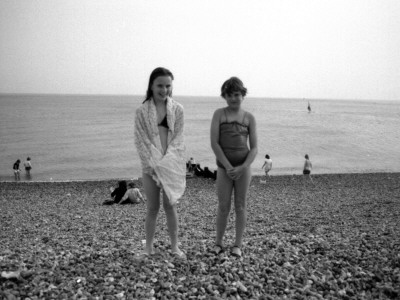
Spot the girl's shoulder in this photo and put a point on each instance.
(176, 106)
(219, 111)
(249, 117)
(248, 114)
(141, 107)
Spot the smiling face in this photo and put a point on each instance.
(161, 88)
(234, 100)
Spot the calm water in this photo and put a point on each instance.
(91, 137)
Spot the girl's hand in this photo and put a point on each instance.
(235, 173)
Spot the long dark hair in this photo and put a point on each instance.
(156, 73)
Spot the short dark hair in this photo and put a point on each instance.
(122, 184)
(267, 156)
(232, 85)
(131, 184)
(157, 72)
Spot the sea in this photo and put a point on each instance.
(90, 137)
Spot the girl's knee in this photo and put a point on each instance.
(240, 206)
(224, 209)
(168, 207)
(153, 211)
(240, 210)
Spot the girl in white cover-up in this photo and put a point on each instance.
(160, 144)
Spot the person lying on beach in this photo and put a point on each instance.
(208, 174)
(233, 130)
(132, 195)
(198, 171)
(116, 193)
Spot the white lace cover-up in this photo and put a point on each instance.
(168, 170)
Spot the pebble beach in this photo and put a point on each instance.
(334, 238)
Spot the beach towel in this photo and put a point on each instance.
(167, 169)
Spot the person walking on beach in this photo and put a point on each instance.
(159, 141)
(231, 130)
(307, 167)
(17, 170)
(28, 167)
(267, 166)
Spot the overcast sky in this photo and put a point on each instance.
(347, 49)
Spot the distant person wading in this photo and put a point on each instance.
(28, 167)
(17, 170)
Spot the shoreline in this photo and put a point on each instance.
(194, 177)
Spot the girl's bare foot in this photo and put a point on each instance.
(179, 253)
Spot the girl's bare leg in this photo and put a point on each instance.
(224, 193)
(152, 192)
(241, 188)
(172, 223)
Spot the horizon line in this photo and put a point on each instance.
(202, 96)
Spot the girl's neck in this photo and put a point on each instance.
(159, 102)
(233, 110)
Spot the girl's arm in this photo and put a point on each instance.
(214, 135)
(140, 134)
(177, 140)
(140, 195)
(144, 146)
(253, 143)
(126, 196)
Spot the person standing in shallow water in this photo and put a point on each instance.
(28, 167)
(232, 129)
(159, 141)
(17, 170)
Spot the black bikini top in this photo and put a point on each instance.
(164, 122)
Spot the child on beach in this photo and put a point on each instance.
(267, 166)
(192, 164)
(231, 130)
(132, 195)
(17, 170)
(307, 167)
(28, 166)
(116, 193)
(159, 141)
